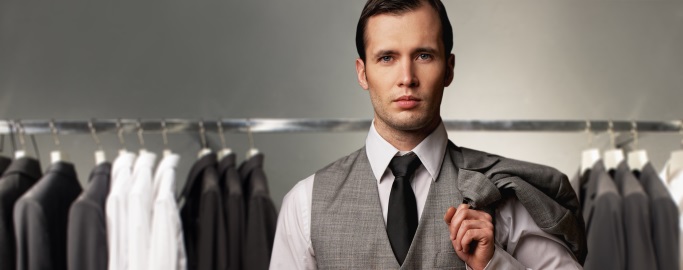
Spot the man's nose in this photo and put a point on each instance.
(408, 77)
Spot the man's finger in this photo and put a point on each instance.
(449, 215)
(471, 224)
(462, 214)
(482, 236)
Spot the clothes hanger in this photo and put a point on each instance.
(676, 159)
(100, 156)
(167, 150)
(225, 150)
(56, 155)
(202, 135)
(613, 156)
(119, 133)
(591, 155)
(20, 153)
(140, 138)
(252, 150)
(637, 158)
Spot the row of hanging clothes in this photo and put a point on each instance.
(128, 216)
(632, 212)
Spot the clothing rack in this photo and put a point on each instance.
(293, 125)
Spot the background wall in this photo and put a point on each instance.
(526, 59)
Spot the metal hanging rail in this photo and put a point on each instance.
(287, 125)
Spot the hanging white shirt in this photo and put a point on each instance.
(167, 247)
(140, 211)
(116, 210)
(515, 229)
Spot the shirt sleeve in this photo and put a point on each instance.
(520, 240)
(292, 248)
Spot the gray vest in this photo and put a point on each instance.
(347, 226)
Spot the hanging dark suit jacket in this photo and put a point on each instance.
(19, 177)
(233, 204)
(664, 222)
(40, 219)
(4, 163)
(261, 215)
(203, 217)
(636, 206)
(603, 213)
(87, 229)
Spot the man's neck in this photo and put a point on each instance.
(405, 140)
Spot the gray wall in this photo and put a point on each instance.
(527, 59)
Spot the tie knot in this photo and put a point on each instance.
(402, 166)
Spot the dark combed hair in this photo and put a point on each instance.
(397, 7)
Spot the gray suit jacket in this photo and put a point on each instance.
(40, 219)
(544, 191)
(639, 248)
(20, 176)
(602, 210)
(87, 231)
(664, 222)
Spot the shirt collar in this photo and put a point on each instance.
(430, 151)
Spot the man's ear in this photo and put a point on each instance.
(450, 66)
(360, 72)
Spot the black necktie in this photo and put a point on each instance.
(402, 215)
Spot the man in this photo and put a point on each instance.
(410, 199)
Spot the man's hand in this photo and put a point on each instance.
(471, 235)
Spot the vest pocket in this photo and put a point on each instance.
(448, 260)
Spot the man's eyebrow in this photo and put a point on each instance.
(384, 52)
(426, 50)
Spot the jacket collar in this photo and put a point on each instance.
(476, 187)
(198, 167)
(27, 166)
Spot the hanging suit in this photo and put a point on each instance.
(203, 217)
(4, 163)
(233, 204)
(603, 213)
(261, 215)
(40, 219)
(637, 229)
(19, 177)
(87, 229)
(664, 222)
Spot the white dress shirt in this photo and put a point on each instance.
(167, 247)
(515, 229)
(116, 210)
(140, 211)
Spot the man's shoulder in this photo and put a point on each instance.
(493, 164)
(342, 164)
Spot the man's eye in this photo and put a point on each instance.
(424, 56)
(385, 58)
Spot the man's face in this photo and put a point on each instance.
(405, 69)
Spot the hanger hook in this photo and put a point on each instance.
(119, 131)
(610, 130)
(22, 132)
(164, 132)
(250, 134)
(202, 133)
(140, 130)
(16, 125)
(589, 133)
(634, 131)
(54, 132)
(219, 124)
(93, 132)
